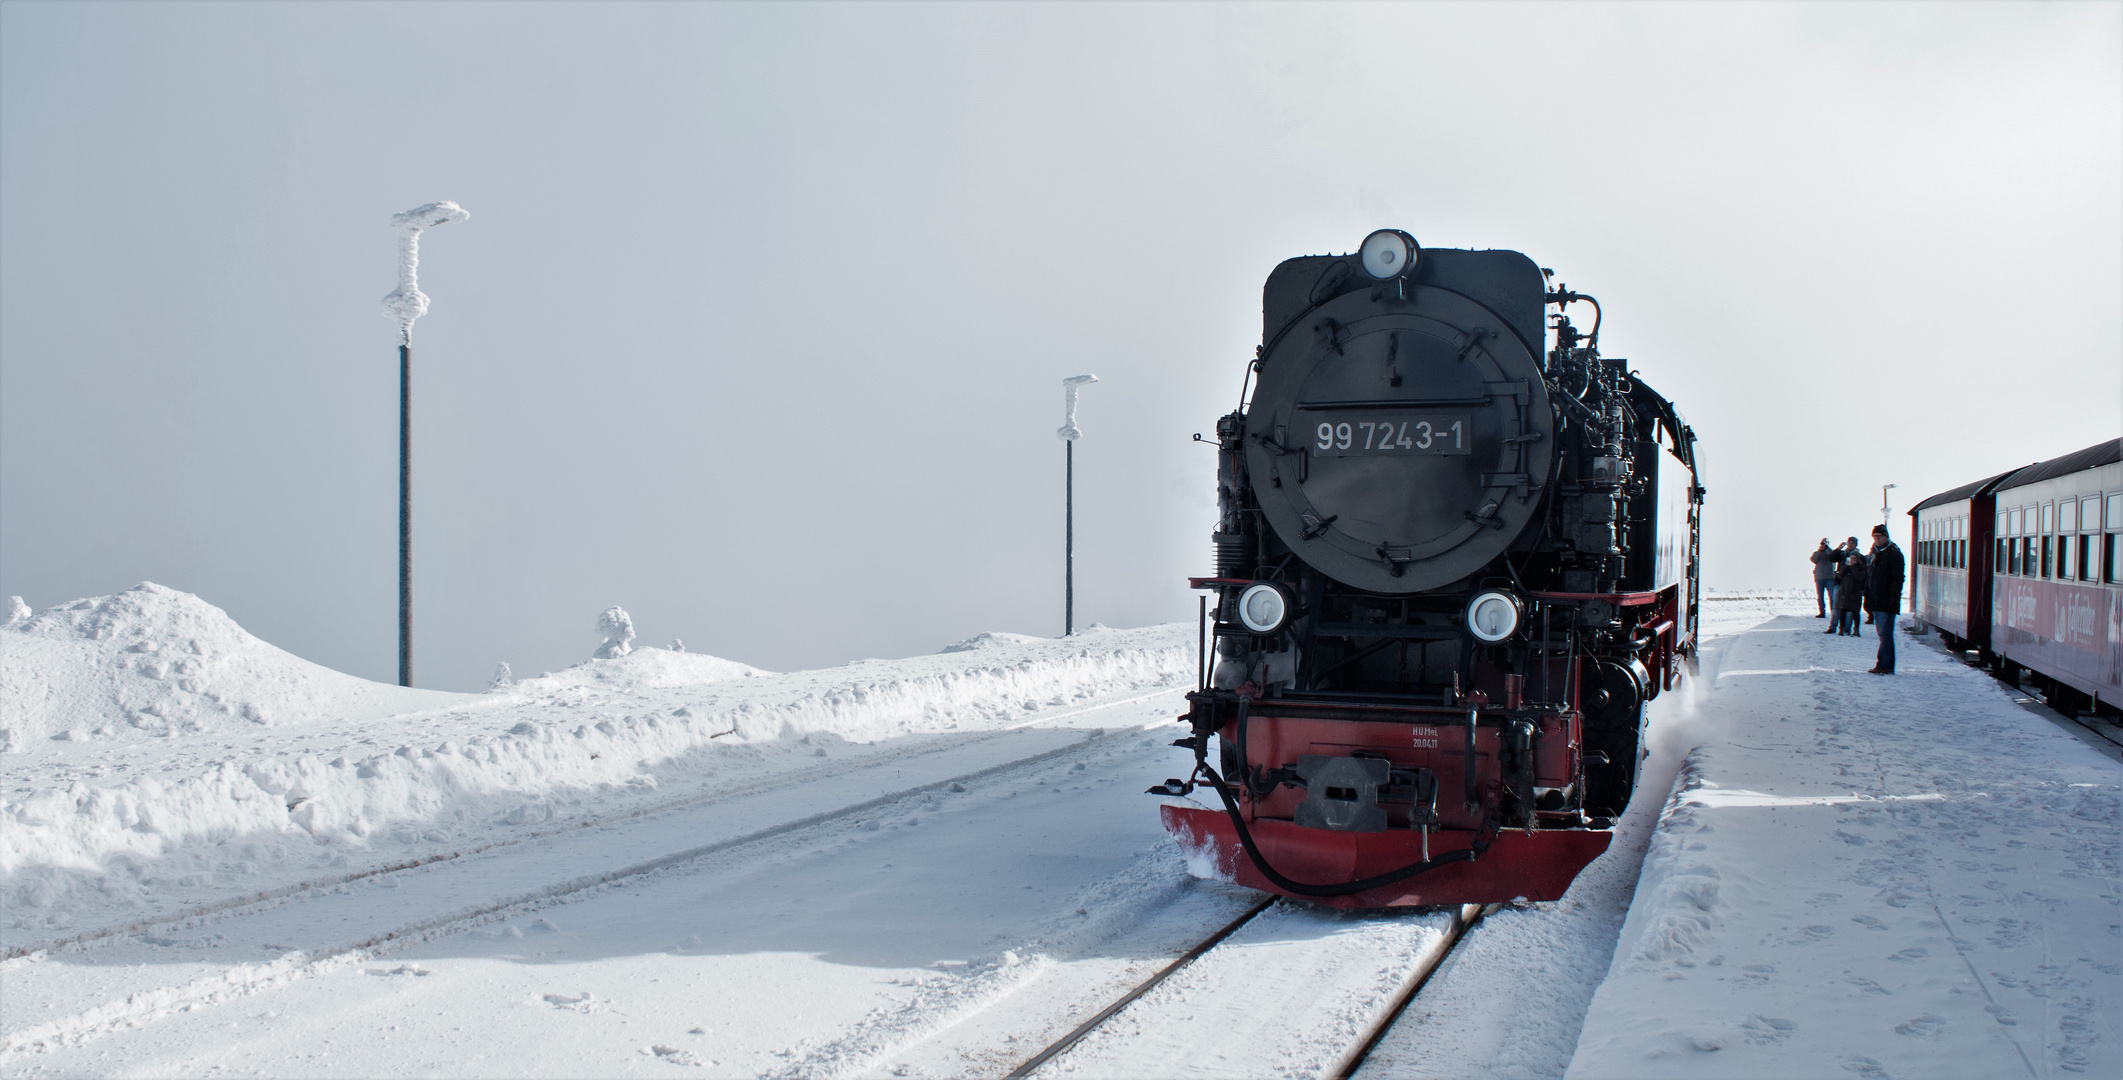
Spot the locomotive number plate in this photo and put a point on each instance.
(1428, 434)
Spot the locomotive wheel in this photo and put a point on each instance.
(1614, 726)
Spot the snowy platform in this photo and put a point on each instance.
(1913, 875)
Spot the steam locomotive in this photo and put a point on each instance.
(1456, 553)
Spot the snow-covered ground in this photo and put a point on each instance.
(934, 866)
(1914, 875)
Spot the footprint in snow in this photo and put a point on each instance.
(1868, 922)
(582, 1003)
(1911, 954)
(1927, 1026)
(674, 1055)
(1768, 1029)
(1865, 1067)
(1868, 985)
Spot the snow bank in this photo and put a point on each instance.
(990, 640)
(152, 661)
(90, 847)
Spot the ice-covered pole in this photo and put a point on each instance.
(407, 303)
(1068, 434)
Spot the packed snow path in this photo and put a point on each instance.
(1899, 876)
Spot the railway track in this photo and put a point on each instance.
(298, 947)
(427, 906)
(1411, 981)
(193, 914)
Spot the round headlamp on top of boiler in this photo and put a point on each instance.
(1264, 608)
(1389, 253)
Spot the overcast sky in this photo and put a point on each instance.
(758, 326)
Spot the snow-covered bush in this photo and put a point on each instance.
(503, 677)
(618, 630)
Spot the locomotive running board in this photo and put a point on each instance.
(1536, 867)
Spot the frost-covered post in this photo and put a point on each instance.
(407, 303)
(1068, 434)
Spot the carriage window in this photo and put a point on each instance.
(2090, 514)
(2064, 558)
(2085, 567)
(2115, 512)
(2068, 516)
(2014, 528)
(2049, 517)
(2009, 556)
(1963, 556)
(2108, 558)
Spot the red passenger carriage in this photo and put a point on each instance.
(2023, 567)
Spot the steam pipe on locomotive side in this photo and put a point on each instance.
(1414, 472)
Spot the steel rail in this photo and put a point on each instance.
(1462, 921)
(1107, 1013)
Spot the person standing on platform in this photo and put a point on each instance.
(1824, 578)
(1883, 594)
(1849, 595)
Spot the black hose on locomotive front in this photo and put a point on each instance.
(1260, 862)
(1480, 846)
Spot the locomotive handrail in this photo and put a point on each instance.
(1389, 630)
(1398, 403)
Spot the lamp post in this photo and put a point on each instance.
(1884, 515)
(405, 304)
(1068, 434)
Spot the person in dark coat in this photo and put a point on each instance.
(1824, 577)
(1883, 594)
(1850, 595)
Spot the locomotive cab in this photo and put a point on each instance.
(1455, 554)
